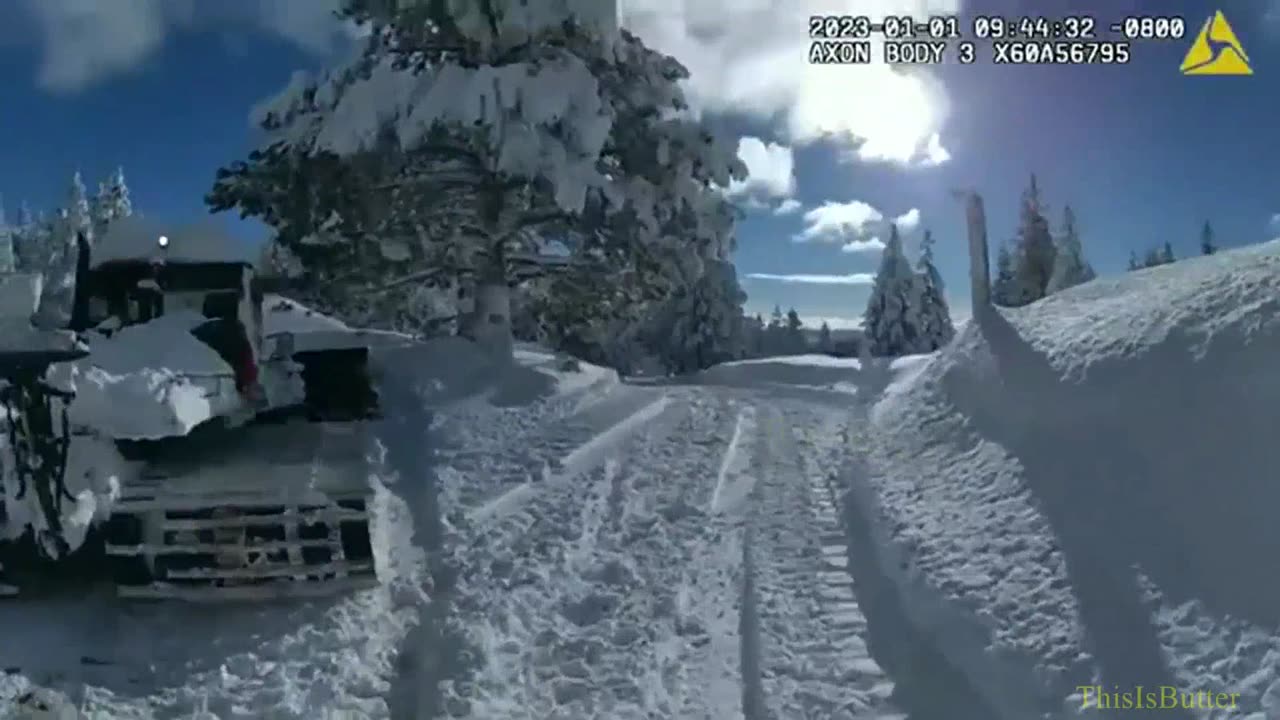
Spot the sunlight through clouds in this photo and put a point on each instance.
(750, 57)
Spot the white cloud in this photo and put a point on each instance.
(870, 245)
(850, 279)
(787, 207)
(839, 222)
(771, 169)
(908, 221)
(757, 64)
(86, 41)
(934, 153)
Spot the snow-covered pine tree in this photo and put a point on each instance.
(112, 201)
(1207, 247)
(1153, 258)
(775, 333)
(31, 244)
(1166, 254)
(8, 261)
(1035, 256)
(1069, 266)
(894, 306)
(755, 335)
(467, 131)
(79, 216)
(1004, 286)
(936, 328)
(825, 345)
(702, 325)
(1134, 263)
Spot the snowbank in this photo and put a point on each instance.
(821, 372)
(1081, 491)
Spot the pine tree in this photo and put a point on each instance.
(1069, 266)
(890, 320)
(79, 215)
(427, 156)
(824, 338)
(702, 325)
(755, 336)
(8, 261)
(1036, 251)
(796, 344)
(1206, 240)
(1004, 291)
(1166, 254)
(112, 201)
(936, 328)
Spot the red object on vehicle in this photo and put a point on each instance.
(246, 370)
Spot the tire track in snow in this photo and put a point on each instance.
(486, 479)
(591, 453)
(564, 597)
(815, 661)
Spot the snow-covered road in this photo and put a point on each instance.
(614, 551)
(645, 552)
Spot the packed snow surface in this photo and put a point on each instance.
(1081, 492)
(555, 544)
(1072, 494)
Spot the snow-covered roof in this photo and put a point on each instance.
(137, 238)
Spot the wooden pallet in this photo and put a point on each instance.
(227, 547)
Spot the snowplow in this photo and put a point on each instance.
(193, 434)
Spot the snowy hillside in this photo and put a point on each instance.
(1082, 491)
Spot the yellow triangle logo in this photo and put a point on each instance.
(1216, 51)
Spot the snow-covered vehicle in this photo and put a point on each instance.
(235, 419)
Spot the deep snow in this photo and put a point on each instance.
(1081, 491)
(1067, 495)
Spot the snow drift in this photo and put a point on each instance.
(806, 371)
(1082, 491)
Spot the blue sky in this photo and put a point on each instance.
(1143, 154)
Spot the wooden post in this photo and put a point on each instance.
(979, 259)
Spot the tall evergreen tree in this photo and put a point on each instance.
(1069, 266)
(1134, 264)
(1166, 254)
(702, 325)
(824, 338)
(935, 317)
(8, 261)
(113, 200)
(426, 155)
(1206, 240)
(1036, 251)
(891, 317)
(1004, 290)
(795, 342)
